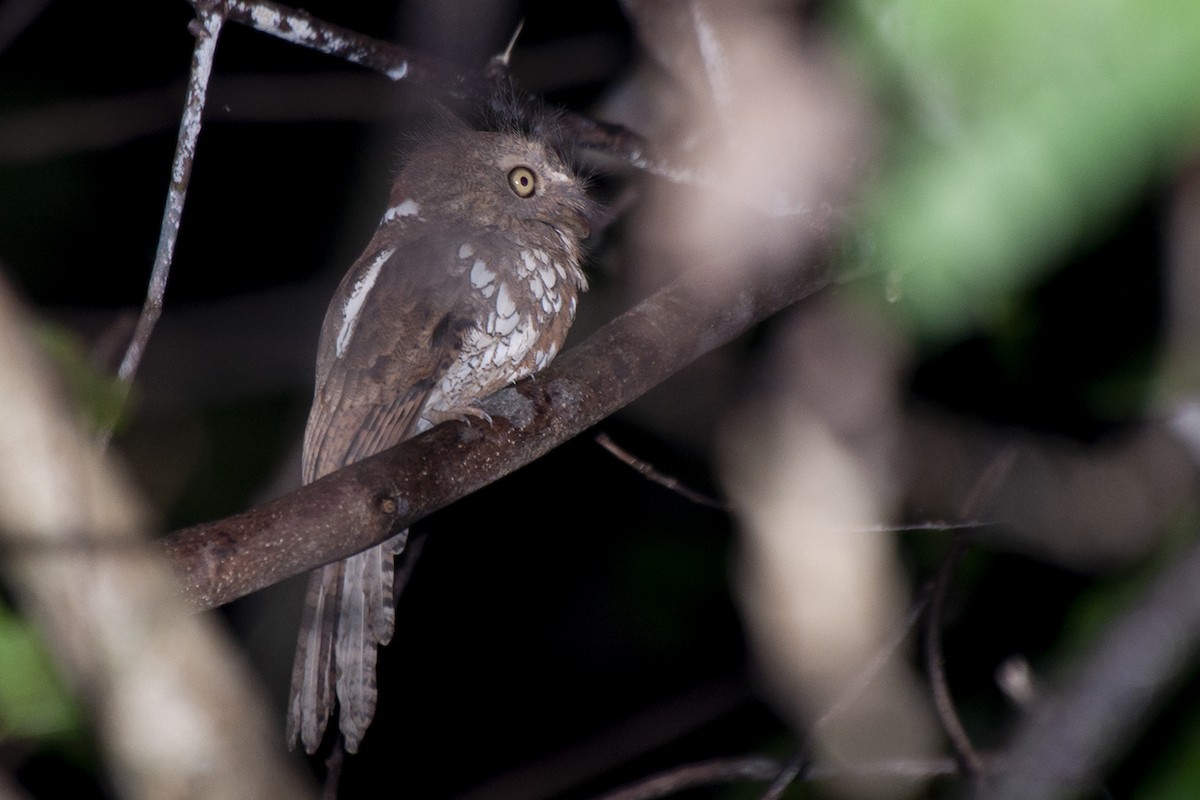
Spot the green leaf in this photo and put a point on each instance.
(1020, 129)
(102, 397)
(34, 704)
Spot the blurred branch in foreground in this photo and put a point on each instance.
(174, 706)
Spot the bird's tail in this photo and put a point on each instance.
(349, 612)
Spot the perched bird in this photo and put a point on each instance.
(469, 284)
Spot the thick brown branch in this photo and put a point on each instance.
(364, 503)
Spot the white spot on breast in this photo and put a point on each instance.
(500, 351)
(506, 325)
(505, 307)
(409, 208)
(541, 256)
(547, 303)
(536, 287)
(525, 338)
(481, 276)
(562, 273)
(466, 251)
(527, 260)
(572, 307)
(358, 296)
(547, 276)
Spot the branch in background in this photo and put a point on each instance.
(964, 752)
(691, 776)
(392, 60)
(980, 494)
(364, 503)
(398, 63)
(16, 16)
(1076, 732)
(206, 28)
(759, 769)
(651, 473)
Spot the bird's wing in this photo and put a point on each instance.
(383, 348)
(391, 333)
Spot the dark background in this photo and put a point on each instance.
(569, 628)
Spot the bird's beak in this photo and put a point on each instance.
(574, 222)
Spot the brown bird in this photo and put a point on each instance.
(469, 284)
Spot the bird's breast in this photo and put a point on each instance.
(525, 303)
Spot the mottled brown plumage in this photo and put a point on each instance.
(469, 284)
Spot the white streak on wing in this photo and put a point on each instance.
(409, 208)
(358, 296)
(480, 275)
(541, 255)
(466, 251)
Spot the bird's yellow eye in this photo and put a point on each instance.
(522, 181)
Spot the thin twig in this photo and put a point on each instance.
(333, 770)
(968, 759)
(756, 768)
(302, 28)
(794, 767)
(932, 597)
(690, 776)
(209, 19)
(787, 775)
(16, 16)
(855, 689)
(649, 472)
(928, 525)
(966, 755)
(557, 774)
(397, 63)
